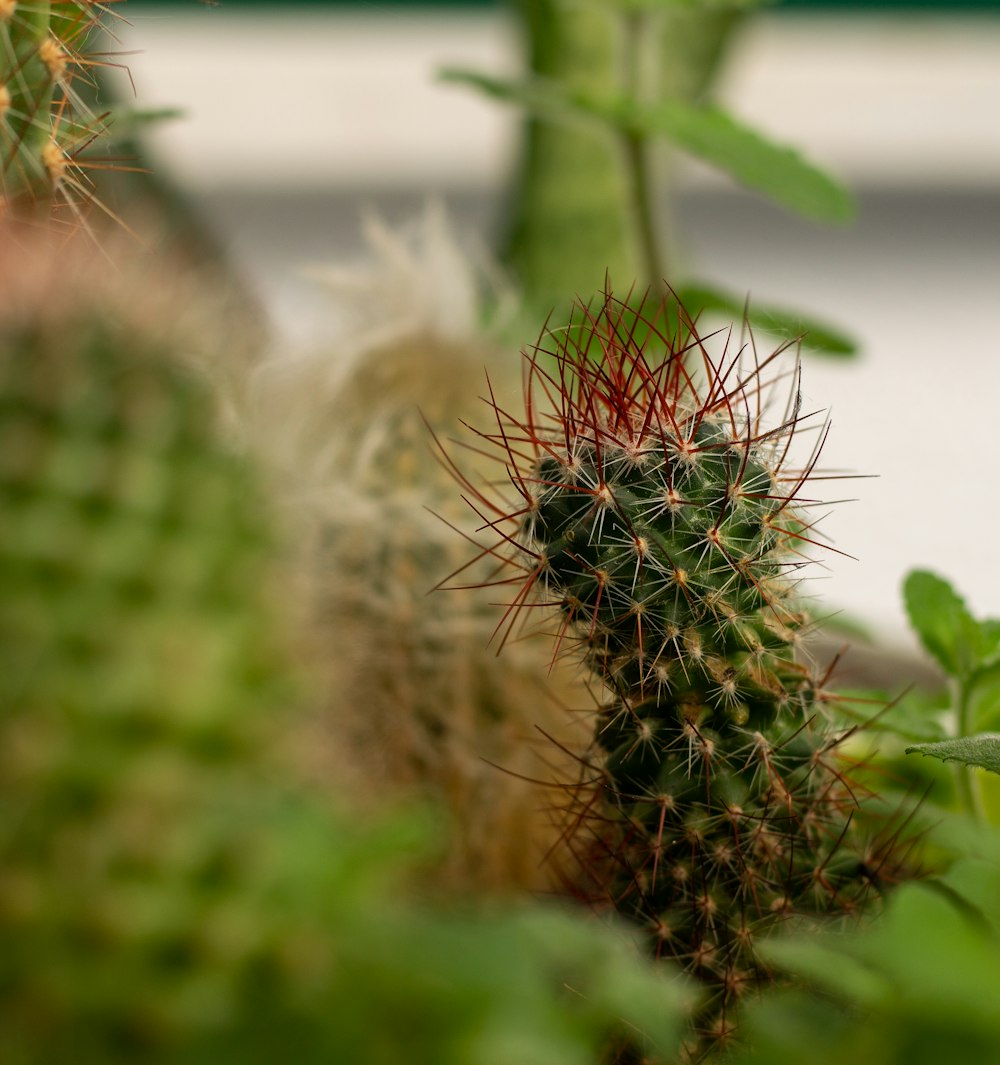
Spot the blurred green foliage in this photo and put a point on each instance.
(918, 987)
(968, 651)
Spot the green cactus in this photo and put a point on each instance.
(45, 123)
(658, 510)
(143, 666)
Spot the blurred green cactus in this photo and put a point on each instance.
(142, 662)
(416, 696)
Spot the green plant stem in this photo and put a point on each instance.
(636, 155)
(643, 219)
(581, 208)
(966, 781)
(567, 221)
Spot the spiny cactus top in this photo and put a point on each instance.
(656, 510)
(650, 499)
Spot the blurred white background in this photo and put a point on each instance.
(296, 121)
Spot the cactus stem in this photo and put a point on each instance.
(644, 505)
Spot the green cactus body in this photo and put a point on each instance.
(45, 124)
(142, 667)
(656, 509)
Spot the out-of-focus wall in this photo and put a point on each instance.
(347, 96)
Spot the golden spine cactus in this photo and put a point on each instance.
(46, 126)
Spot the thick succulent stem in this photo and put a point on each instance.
(569, 207)
(588, 204)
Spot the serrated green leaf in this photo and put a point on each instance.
(941, 619)
(982, 751)
(819, 337)
(777, 171)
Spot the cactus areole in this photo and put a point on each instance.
(651, 502)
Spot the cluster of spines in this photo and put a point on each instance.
(657, 512)
(46, 126)
(708, 841)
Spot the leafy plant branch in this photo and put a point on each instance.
(968, 650)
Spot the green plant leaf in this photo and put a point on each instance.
(126, 121)
(538, 96)
(708, 133)
(820, 962)
(941, 619)
(914, 716)
(982, 750)
(777, 171)
(816, 336)
(990, 632)
(969, 884)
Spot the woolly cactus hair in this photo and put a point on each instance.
(47, 127)
(418, 704)
(650, 498)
